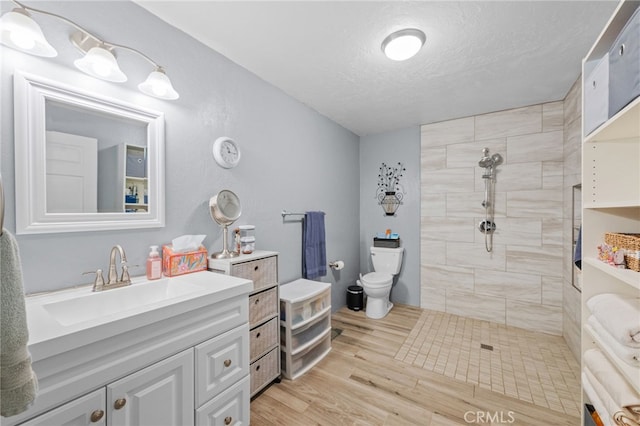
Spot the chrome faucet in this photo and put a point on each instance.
(113, 273)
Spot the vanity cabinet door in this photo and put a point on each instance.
(159, 395)
(88, 410)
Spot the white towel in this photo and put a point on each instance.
(610, 378)
(629, 355)
(619, 315)
(18, 383)
(595, 400)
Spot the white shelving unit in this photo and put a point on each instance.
(610, 198)
(305, 325)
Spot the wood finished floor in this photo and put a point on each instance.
(360, 383)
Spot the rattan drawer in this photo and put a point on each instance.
(263, 338)
(264, 370)
(262, 306)
(263, 272)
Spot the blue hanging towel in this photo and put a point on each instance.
(314, 248)
(577, 254)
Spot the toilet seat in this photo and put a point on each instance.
(377, 279)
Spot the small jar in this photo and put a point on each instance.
(247, 244)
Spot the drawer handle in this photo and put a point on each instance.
(621, 50)
(96, 416)
(258, 368)
(255, 268)
(258, 336)
(119, 403)
(227, 362)
(256, 302)
(228, 420)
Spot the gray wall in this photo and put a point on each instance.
(292, 157)
(392, 147)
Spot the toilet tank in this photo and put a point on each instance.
(387, 260)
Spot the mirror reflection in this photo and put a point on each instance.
(95, 161)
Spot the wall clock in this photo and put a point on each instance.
(226, 152)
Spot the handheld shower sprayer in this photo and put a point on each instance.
(488, 226)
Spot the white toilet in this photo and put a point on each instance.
(377, 285)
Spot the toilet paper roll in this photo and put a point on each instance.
(337, 265)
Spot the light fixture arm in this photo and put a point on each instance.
(98, 41)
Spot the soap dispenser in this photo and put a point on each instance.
(154, 264)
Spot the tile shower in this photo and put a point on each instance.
(521, 282)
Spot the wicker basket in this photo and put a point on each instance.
(630, 243)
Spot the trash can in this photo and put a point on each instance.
(355, 298)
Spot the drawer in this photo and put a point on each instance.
(596, 96)
(229, 408)
(306, 311)
(305, 360)
(624, 66)
(263, 338)
(220, 362)
(306, 336)
(262, 306)
(264, 371)
(263, 272)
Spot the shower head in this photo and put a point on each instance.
(496, 159)
(485, 161)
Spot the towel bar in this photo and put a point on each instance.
(285, 213)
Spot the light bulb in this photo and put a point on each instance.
(158, 85)
(19, 31)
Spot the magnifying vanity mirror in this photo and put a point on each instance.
(225, 209)
(85, 162)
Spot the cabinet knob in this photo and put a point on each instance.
(228, 420)
(119, 403)
(96, 416)
(227, 362)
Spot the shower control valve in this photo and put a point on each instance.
(487, 226)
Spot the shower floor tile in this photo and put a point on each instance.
(534, 367)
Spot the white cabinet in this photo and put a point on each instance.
(611, 201)
(84, 411)
(159, 395)
(264, 343)
(305, 325)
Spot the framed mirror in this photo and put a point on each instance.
(83, 161)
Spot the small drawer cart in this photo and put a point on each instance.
(305, 325)
(264, 342)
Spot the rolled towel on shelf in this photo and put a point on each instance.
(627, 354)
(595, 400)
(619, 315)
(611, 380)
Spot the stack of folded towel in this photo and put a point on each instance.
(615, 320)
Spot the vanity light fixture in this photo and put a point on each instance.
(21, 32)
(404, 44)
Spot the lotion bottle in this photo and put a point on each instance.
(154, 264)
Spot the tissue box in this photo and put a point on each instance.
(183, 263)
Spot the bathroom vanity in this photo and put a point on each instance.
(169, 352)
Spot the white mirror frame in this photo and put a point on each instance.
(30, 94)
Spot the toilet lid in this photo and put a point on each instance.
(377, 278)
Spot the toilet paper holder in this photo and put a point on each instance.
(336, 264)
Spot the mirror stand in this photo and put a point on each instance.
(225, 253)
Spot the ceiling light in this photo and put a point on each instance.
(21, 32)
(158, 85)
(403, 44)
(99, 62)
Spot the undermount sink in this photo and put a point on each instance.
(109, 302)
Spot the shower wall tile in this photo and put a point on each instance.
(447, 132)
(510, 285)
(433, 205)
(514, 177)
(516, 231)
(433, 298)
(547, 319)
(447, 229)
(541, 203)
(552, 175)
(469, 204)
(552, 116)
(469, 154)
(534, 260)
(433, 252)
(477, 306)
(433, 159)
(520, 121)
(572, 102)
(552, 291)
(552, 232)
(535, 147)
(447, 180)
(472, 255)
(447, 277)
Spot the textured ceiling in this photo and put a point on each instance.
(479, 56)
